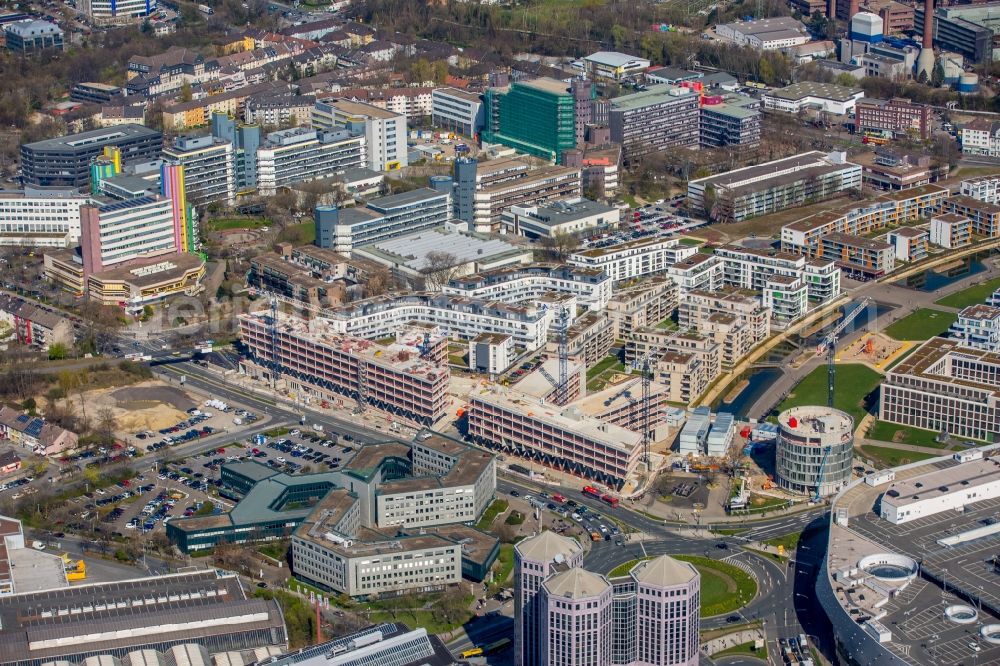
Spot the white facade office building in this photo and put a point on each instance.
(208, 168)
(299, 155)
(40, 217)
(384, 131)
(978, 327)
(109, 12)
(457, 111)
(385, 218)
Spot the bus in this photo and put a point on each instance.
(472, 652)
(591, 491)
(611, 501)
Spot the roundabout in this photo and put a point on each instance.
(724, 587)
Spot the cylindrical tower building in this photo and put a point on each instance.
(668, 595)
(815, 448)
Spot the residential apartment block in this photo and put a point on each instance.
(981, 137)
(699, 271)
(747, 306)
(945, 386)
(635, 258)
(978, 326)
(985, 216)
(463, 318)
(41, 217)
(34, 326)
(950, 230)
(767, 188)
(589, 338)
(748, 268)
(642, 305)
(686, 362)
(343, 229)
(279, 110)
(591, 287)
(985, 189)
(909, 243)
(316, 359)
(897, 115)
(384, 131)
(653, 120)
(563, 437)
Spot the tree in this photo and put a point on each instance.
(439, 70)
(420, 70)
(619, 34)
(440, 268)
(186, 91)
(846, 80)
(57, 351)
(105, 427)
(710, 198)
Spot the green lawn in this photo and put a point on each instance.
(889, 457)
(667, 324)
(901, 434)
(302, 233)
(789, 541)
(972, 296)
(428, 619)
(743, 648)
(224, 223)
(854, 381)
(606, 363)
(690, 242)
(922, 324)
(724, 588)
(505, 564)
(492, 511)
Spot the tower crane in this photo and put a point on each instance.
(829, 345)
(562, 322)
(641, 363)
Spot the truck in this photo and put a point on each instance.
(206, 10)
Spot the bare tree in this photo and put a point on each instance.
(441, 267)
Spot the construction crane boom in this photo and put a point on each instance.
(819, 475)
(562, 321)
(641, 363)
(829, 346)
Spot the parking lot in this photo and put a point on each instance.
(656, 220)
(595, 525)
(196, 426)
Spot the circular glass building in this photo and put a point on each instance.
(815, 448)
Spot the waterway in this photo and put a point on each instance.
(758, 381)
(932, 280)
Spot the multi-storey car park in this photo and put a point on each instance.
(945, 386)
(390, 519)
(910, 571)
(315, 358)
(591, 286)
(65, 161)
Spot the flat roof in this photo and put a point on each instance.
(614, 58)
(361, 109)
(940, 483)
(657, 94)
(458, 92)
(925, 363)
(564, 211)
(406, 198)
(412, 250)
(549, 85)
(803, 89)
(97, 137)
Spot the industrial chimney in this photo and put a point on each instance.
(854, 9)
(925, 60)
(831, 10)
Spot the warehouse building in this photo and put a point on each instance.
(828, 97)
(766, 34)
(208, 608)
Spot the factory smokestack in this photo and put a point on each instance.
(854, 9)
(928, 23)
(831, 10)
(925, 60)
